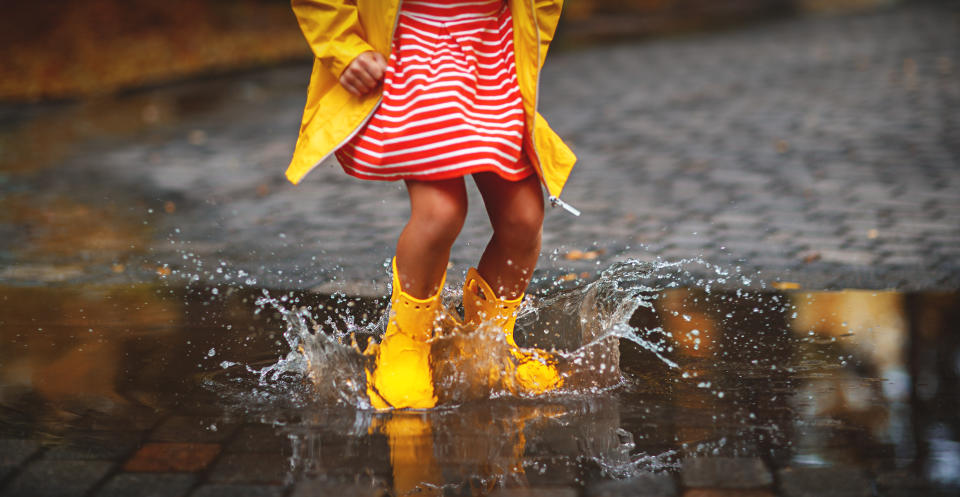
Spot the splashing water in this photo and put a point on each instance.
(581, 327)
(710, 367)
(713, 364)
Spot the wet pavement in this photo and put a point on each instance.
(821, 151)
(147, 390)
(176, 319)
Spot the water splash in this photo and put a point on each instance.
(580, 327)
(697, 341)
(326, 355)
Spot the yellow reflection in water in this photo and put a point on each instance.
(693, 329)
(411, 453)
(62, 238)
(480, 448)
(871, 324)
(69, 346)
(862, 336)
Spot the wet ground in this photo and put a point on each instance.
(822, 151)
(728, 180)
(157, 390)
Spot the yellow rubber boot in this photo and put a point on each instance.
(402, 377)
(536, 369)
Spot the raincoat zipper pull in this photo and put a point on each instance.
(556, 202)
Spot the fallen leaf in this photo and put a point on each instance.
(786, 285)
(576, 255)
(573, 255)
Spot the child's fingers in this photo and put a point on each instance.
(377, 65)
(372, 66)
(352, 82)
(350, 88)
(364, 73)
(364, 76)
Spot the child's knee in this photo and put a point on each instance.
(448, 222)
(521, 228)
(441, 221)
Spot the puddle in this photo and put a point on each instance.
(655, 375)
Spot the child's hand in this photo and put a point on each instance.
(364, 73)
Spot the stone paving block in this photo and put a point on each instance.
(771, 262)
(313, 488)
(689, 227)
(678, 253)
(924, 227)
(95, 446)
(53, 478)
(726, 232)
(191, 429)
(161, 457)
(727, 492)
(725, 472)
(147, 485)
(215, 490)
(773, 249)
(737, 247)
(732, 219)
(686, 241)
(789, 218)
(644, 485)
(905, 483)
(951, 239)
(903, 260)
(552, 473)
(810, 229)
(898, 202)
(824, 482)
(14, 452)
(901, 249)
(251, 468)
(848, 257)
(259, 438)
(535, 492)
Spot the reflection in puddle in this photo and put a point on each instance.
(656, 375)
(55, 228)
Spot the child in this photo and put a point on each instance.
(429, 91)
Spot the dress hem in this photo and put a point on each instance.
(456, 173)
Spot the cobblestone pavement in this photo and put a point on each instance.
(823, 151)
(248, 461)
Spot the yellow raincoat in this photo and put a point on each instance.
(340, 30)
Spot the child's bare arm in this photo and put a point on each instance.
(364, 73)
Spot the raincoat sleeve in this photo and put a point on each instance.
(333, 30)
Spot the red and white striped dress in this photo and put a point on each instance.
(451, 104)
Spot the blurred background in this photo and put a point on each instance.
(60, 49)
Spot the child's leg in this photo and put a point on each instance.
(437, 212)
(515, 209)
